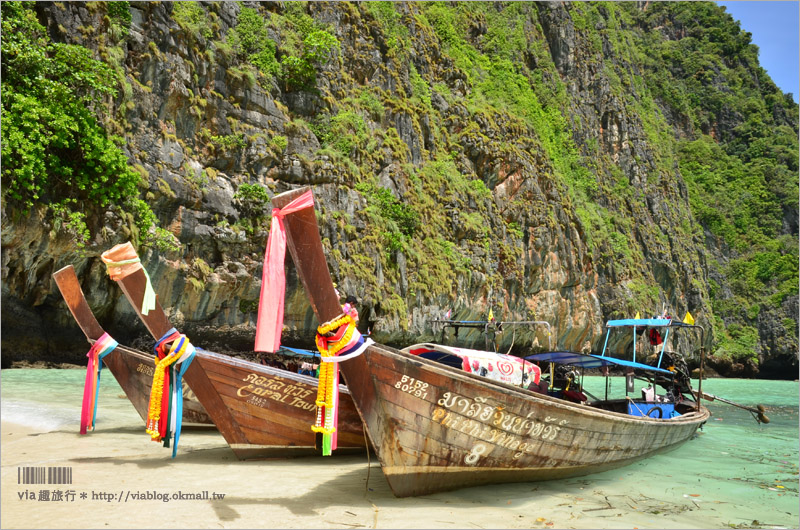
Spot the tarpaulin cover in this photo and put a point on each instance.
(496, 366)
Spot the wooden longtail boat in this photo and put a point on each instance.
(261, 411)
(132, 369)
(435, 428)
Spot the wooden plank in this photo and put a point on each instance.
(285, 412)
(67, 282)
(197, 380)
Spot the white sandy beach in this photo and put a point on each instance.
(113, 465)
(120, 479)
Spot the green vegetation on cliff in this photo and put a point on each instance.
(55, 152)
(739, 158)
(526, 156)
(712, 119)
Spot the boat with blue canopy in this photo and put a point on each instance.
(436, 427)
(668, 371)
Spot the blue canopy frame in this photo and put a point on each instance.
(585, 360)
(642, 323)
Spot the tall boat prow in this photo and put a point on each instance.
(132, 369)
(261, 411)
(435, 427)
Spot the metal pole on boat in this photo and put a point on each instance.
(702, 365)
(758, 412)
(603, 354)
(605, 344)
(663, 347)
(700, 383)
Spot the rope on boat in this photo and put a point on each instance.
(632, 402)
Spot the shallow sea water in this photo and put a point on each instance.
(734, 461)
(735, 474)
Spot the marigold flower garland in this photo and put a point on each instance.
(166, 410)
(328, 390)
(154, 429)
(334, 346)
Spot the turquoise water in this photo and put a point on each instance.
(734, 474)
(49, 400)
(747, 469)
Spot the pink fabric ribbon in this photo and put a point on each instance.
(102, 347)
(87, 405)
(273, 278)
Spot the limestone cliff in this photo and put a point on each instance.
(517, 158)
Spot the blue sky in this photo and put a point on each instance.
(774, 26)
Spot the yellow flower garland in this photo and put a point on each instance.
(341, 343)
(157, 390)
(324, 398)
(334, 324)
(327, 370)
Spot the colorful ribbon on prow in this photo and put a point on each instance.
(102, 347)
(165, 411)
(273, 278)
(337, 341)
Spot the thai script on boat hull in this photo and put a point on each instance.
(490, 423)
(261, 389)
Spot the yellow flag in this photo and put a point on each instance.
(688, 319)
(638, 316)
(491, 315)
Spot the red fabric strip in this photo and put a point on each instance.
(273, 278)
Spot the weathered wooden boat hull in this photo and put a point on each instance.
(435, 428)
(272, 409)
(132, 369)
(261, 411)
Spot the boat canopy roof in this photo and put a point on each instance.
(639, 322)
(585, 360)
(638, 325)
(648, 323)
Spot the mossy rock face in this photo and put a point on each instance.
(564, 162)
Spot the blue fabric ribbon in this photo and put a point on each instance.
(178, 370)
(167, 335)
(108, 349)
(184, 365)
